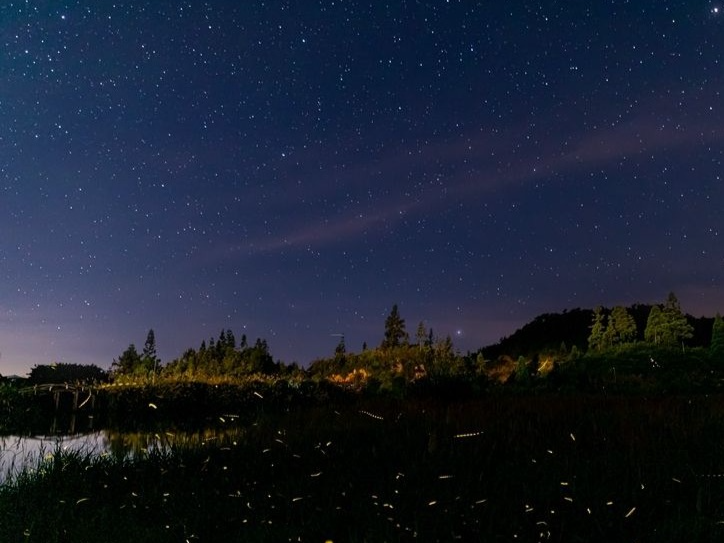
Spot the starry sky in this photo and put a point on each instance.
(289, 170)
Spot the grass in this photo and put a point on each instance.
(498, 469)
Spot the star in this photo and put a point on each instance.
(270, 170)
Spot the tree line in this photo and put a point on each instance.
(423, 360)
(666, 326)
(222, 356)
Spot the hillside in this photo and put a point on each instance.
(553, 332)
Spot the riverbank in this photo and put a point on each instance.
(524, 468)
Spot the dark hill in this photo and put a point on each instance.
(552, 332)
(546, 332)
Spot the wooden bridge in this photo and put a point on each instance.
(56, 389)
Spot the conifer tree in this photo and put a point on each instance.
(678, 328)
(149, 358)
(230, 340)
(128, 363)
(667, 324)
(654, 325)
(596, 340)
(622, 324)
(394, 329)
(149, 348)
(341, 348)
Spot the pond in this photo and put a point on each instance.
(495, 469)
(21, 452)
(18, 452)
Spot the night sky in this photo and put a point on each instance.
(289, 170)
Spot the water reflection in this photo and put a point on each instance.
(124, 443)
(26, 452)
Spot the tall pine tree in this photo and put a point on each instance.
(596, 340)
(678, 329)
(395, 332)
(149, 358)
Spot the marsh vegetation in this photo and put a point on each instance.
(607, 432)
(496, 469)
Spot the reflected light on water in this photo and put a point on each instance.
(26, 452)
(20, 452)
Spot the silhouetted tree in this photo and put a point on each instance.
(128, 363)
(149, 358)
(341, 348)
(394, 329)
(230, 340)
(258, 358)
(63, 372)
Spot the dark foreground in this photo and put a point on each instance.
(497, 469)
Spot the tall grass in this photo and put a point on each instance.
(503, 469)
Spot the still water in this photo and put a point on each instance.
(18, 452)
